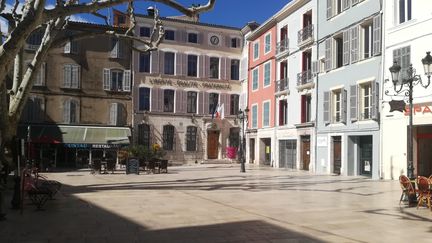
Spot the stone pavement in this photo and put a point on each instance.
(217, 203)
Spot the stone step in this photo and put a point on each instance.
(219, 161)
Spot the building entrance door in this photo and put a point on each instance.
(337, 155)
(424, 157)
(287, 153)
(212, 144)
(305, 153)
(252, 150)
(366, 155)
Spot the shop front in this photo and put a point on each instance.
(72, 146)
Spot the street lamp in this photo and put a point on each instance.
(404, 79)
(243, 117)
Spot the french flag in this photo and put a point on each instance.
(219, 112)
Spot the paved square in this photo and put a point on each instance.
(217, 203)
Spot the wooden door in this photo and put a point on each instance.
(337, 156)
(212, 144)
(424, 167)
(306, 153)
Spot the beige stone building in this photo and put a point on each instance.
(177, 89)
(80, 105)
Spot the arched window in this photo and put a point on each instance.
(191, 138)
(168, 137)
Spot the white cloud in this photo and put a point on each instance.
(3, 26)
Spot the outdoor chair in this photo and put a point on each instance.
(407, 188)
(96, 166)
(151, 166)
(111, 165)
(424, 191)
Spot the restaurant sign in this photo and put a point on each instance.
(419, 109)
(190, 84)
(94, 146)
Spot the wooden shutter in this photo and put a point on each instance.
(346, 47)
(200, 38)
(344, 107)
(161, 61)
(67, 76)
(75, 69)
(354, 43)
(303, 109)
(67, 47)
(184, 102)
(179, 61)
(184, 65)
(201, 64)
(206, 109)
(346, 4)
(326, 106)
(315, 68)
(377, 35)
(106, 79)
(178, 101)
(329, 9)
(228, 68)
(375, 100)
(113, 114)
(207, 67)
(155, 62)
(127, 80)
(155, 99)
(223, 74)
(161, 99)
(353, 103)
(201, 102)
(328, 54)
(66, 111)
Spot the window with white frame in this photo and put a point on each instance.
(266, 114)
(71, 111)
(169, 63)
(403, 11)
(70, 47)
(256, 50)
(267, 74)
(365, 101)
(144, 62)
(116, 80)
(336, 106)
(40, 75)
(192, 66)
(367, 39)
(267, 42)
(214, 67)
(116, 114)
(255, 79)
(255, 116)
(71, 76)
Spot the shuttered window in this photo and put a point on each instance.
(254, 116)
(144, 99)
(403, 57)
(116, 80)
(168, 100)
(117, 48)
(267, 74)
(255, 79)
(213, 102)
(267, 43)
(169, 35)
(328, 54)
(234, 98)
(144, 62)
(214, 67)
(353, 103)
(72, 76)
(144, 135)
(346, 47)
(235, 69)
(192, 102)
(192, 37)
(266, 114)
(116, 117)
(377, 26)
(70, 47)
(256, 50)
(191, 138)
(168, 137)
(169, 63)
(70, 111)
(329, 9)
(40, 76)
(354, 34)
(192, 66)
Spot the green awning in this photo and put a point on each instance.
(76, 134)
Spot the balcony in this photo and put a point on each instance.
(305, 80)
(282, 86)
(282, 48)
(305, 36)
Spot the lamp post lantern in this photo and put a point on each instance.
(243, 117)
(404, 81)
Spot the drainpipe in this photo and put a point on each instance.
(381, 80)
(316, 92)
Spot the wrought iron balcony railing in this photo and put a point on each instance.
(304, 77)
(282, 46)
(281, 85)
(305, 35)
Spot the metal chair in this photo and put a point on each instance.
(406, 186)
(423, 186)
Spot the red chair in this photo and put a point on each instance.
(424, 191)
(407, 187)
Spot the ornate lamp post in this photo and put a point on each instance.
(403, 83)
(243, 117)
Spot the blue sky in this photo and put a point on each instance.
(235, 13)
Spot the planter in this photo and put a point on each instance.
(231, 152)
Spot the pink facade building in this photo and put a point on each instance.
(261, 89)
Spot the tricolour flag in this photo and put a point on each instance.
(219, 112)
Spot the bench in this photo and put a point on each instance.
(38, 188)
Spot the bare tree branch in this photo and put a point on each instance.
(132, 19)
(59, 11)
(2, 5)
(17, 75)
(14, 11)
